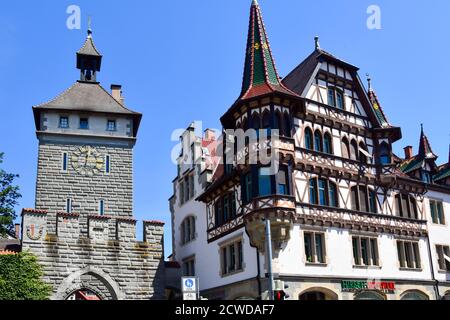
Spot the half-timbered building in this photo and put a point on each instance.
(349, 218)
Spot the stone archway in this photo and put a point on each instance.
(92, 279)
(414, 295)
(318, 293)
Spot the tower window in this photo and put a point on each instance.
(101, 207)
(64, 122)
(84, 123)
(112, 125)
(107, 164)
(69, 205)
(64, 161)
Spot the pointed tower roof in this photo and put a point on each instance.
(376, 105)
(425, 155)
(88, 47)
(88, 57)
(260, 74)
(425, 147)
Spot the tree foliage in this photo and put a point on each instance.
(20, 278)
(9, 194)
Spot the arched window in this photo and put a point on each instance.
(385, 155)
(327, 143)
(362, 156)
(287, 128)
(345, 148)
(318, 146)
(323, 192)
(414, 295)
(308, 139)
(187, 229)
(353, 150)
(266, 122)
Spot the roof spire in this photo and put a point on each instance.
(369, 81)
(449, 154)
(89, 30)
(260, 74)
(89, 59)
(317, 42)
(424, 146)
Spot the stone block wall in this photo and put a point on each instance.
(54, 186)
(109, 261)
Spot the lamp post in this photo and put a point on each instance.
(269, 258)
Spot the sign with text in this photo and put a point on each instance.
(354, 286)
(189, 287)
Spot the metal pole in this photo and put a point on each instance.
(269, 258)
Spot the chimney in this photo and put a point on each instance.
(408, 152)
(17, 230)
(210, 135)
(116, 92)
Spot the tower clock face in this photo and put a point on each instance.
(87, 161)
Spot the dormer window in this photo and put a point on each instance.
(64, 122)
(84, 123)
(426, 177)
(111, 126)
(335, 98)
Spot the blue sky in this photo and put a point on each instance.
(180, 61)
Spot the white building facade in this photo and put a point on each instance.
(350, 220)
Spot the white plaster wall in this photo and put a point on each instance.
(97, 124)
(338, 243)
(439, 234)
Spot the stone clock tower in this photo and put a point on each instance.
(82, 227)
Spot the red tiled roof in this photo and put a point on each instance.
(29, 210)
(7, 252)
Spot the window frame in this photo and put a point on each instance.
(441, 252)
(439, 217)
(60, 122)
(371, 251)
(408, 253)
(314, 258)
(87, 123)
(65, 162)
(190, 264)
(314, 192)
(232, 257)
(108, 127)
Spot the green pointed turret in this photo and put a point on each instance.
(260, 73)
